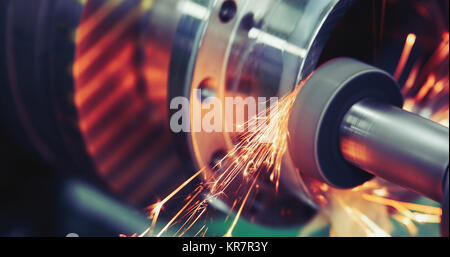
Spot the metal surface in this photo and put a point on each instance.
(91, 83)
(55, 104)
(396, 145)
(263, 51)
(121, 75)
(318, 111)
(347, 118)
(347, 125)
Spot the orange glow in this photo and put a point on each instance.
(411, 79)
(90, 118)
(138, 164)
(426, 88)
(410, 41)
(87, 58)
(85, 92)
(110, 132)
(95, 19)
(435, 84)
(399, 205)
(442, 116)
(257, 153)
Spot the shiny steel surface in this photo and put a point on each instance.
(318, 112)
(91, 82)
(396, 145)
(121, 72)
(263, 51)
(347, 125)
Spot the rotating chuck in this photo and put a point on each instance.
(347, 126)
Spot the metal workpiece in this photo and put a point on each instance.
(347, 126)
(108, 66)
(314, 125)
(87, 88)
(259, 50)
(265, 50)
(396, 145)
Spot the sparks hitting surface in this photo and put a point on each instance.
(367, 210)
(259, 153)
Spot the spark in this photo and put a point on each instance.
(259, 153)
(429, 214)
(230, 230)
(156, 208)
(411, 79)
(426, 85)
(423, 94)
(431, 81)
(409, 44)
(406, 212)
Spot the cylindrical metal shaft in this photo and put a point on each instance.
(396, 145)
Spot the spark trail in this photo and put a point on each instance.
(259, 153)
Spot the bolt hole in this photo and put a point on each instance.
(206, 90)
(227, 11)
(248, 21)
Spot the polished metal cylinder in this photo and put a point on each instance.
(396, 145)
